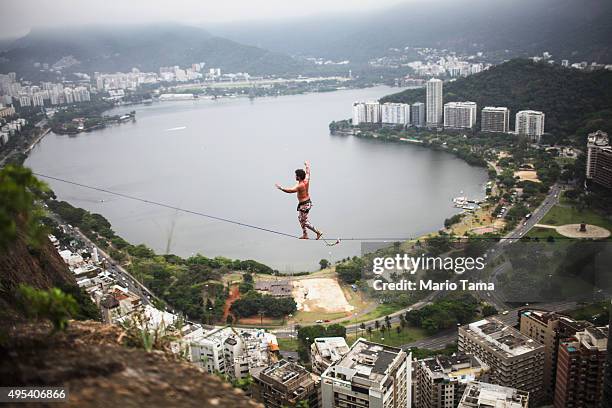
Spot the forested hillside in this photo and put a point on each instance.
(575, 102)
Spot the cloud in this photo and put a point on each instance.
(17, 17)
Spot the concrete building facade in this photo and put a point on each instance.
(580, 369)
(441, 381)
(495, 119)
(599, 159)
(459, 115)
(514, 359)
(369, 375)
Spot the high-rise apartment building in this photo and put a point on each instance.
(366, 112)
(599, 159)
(440, 381)
(325, 351)
(495, 119)
(514, 359)
(359, 115)
(531, 124)
(478, 394)
(549, 328)
(459, 115)
(285, 384)
(372, 112)
(395, 113)
(433, 99)
(231, 351)
(369, 375)
(580, 369)
(417, 114)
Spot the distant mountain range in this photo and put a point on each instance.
(575, 102)
(146, 47)
(574, 29)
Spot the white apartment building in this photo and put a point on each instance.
(495, 119)
(372, 112)
(359, 115)
(369, 375)
(366, 112)
(434, 104)
(232, 351)
(460, 115)
(395, 113)
(531, 124)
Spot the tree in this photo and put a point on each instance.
(362, 326)
(19, 190)
(369, 330)
(324, 263)
(488, 310)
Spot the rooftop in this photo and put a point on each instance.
(284, 372)
(478, 394)
(366, 360)
(331, 348)
(458, 367)
(502, 337)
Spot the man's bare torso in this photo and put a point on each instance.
(302, 191)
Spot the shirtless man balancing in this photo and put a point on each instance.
(304, 204)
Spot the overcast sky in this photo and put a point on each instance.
(17, 17)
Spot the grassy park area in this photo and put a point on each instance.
(561, 215)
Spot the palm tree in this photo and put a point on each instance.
(362, 327)
(387, 319)
(376, 324)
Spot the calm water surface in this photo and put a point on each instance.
(223, 157)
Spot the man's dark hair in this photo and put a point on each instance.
(300, 174)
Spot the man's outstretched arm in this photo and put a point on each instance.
(287, 190)
(307, 169)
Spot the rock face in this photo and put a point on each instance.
(99, 371)
(41, 268)
(89, 358)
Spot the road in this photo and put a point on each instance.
(121, 274)
(494, 297)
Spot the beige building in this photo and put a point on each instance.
(439, 382)
(515, 360)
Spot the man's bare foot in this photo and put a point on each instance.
(304, 236)
(319, 234)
